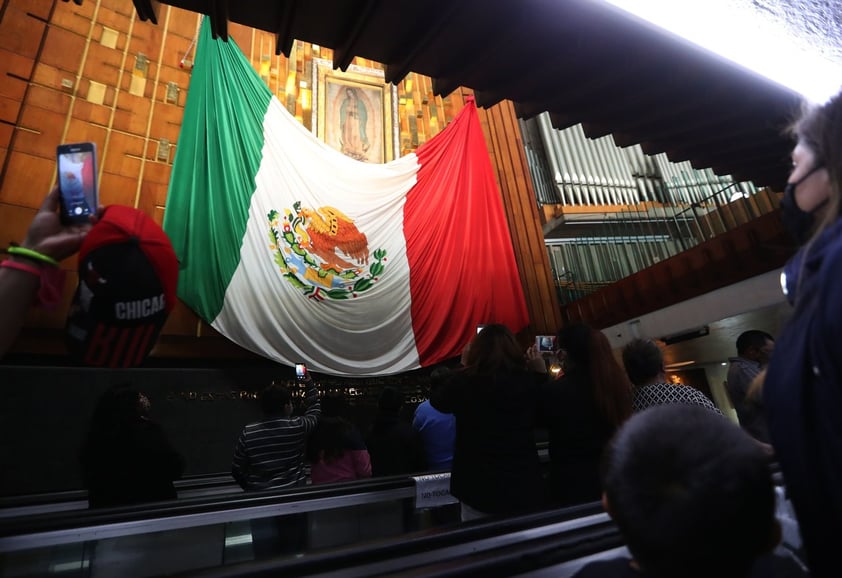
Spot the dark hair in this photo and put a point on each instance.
(390, 401)
(329, 440)
(274, 399)
(691, 493)
(494, 350)
(439, 376)
(589, 350)
(752, 338)
(643, 360)
(334, 405)
(819, 128)
(119, 406)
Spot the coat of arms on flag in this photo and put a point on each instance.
(307, 245)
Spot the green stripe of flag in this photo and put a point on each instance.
(213, 177)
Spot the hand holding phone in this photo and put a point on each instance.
(77, 174)
(300, 371)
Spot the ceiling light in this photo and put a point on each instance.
(678, 364)
(747, 36)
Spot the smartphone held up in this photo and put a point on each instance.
(545, 343)
(77, 174)
(300, 371)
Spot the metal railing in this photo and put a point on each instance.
(630, 241)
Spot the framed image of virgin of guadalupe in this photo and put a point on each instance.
(355, 112)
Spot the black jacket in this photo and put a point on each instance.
(134, 464)
(577, 434)
(803, 398)
(495, 461)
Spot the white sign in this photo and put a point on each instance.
(433, 490)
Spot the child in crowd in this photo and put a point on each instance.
(693, 497)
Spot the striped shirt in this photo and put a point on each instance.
(270, 454)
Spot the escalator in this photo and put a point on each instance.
(351, 529)
(193, 533)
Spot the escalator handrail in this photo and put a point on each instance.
(66, 527)
(431, 547)
(187, 483)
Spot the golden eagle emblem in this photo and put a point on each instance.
(321, 252)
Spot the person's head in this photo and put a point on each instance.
(691, 493)
(439, 376)
(276, 401)
(121, 405)
(334, 405)
(644, 361)
(128, 275)
(494, 350)
(755, 345)
(390, 401)
(587, 350)
(328, 441)
(816, 180)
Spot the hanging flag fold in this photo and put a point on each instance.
(302, 254)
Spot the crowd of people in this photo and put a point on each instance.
(690, 492)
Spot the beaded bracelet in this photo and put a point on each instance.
(24, 252)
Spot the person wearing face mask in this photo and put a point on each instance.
(803, 389)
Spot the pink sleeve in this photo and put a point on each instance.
(362, 463)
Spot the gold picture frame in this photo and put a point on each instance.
(355, 112)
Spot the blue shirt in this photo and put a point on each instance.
(438, 432)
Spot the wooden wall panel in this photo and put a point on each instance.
(147, 40)
(132, 114)
(47, 98)
(9, 109)
(117, 189)
(15, 221)
(79, 131)
(6, 131)
(124, 155)
(115, 15)
(62, 50)
(182, 22)
(20, 32)
(77, 21)
(27, 180)
(95, 114)
(14, 70)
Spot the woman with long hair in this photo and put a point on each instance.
(582, 410)
(495, 400)
(803, 389)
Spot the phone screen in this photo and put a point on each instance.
(546, 343)
(77, 181)
(300, 370)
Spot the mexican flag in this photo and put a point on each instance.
(301, 253)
